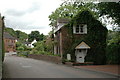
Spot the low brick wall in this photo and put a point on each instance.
(54, 59)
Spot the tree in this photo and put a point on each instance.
(111, 9)
(22, 36)
(70, 9)
(113, 47)
(10, 31)
(35, 35)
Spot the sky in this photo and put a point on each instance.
(28, 15)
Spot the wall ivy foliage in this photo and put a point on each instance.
(95, 37)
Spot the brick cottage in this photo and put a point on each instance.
(9, 42)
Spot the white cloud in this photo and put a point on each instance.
(28, 15)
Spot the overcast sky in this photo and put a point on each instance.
(28, 15)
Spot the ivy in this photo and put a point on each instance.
(95, 37)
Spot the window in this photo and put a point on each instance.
(80, 57)
(80, 29)
(77, 29)
(79, 50)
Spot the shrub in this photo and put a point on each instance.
(113, 54)
(20, 48)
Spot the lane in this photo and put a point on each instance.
(19, 67)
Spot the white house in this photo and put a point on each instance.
(30, 44)
(33, 43)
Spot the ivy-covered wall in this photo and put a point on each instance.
(95, 38)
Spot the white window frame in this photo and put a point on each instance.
(84, 29)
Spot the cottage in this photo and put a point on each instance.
(83, 37)
(9, 42)
(27, 44)
(30, 44)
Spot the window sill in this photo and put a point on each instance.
(80, 33)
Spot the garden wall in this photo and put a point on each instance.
(54, 59)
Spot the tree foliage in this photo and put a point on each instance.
(35, 35)
(113, 47)
(10, 31)
(69, 10)
(112, 9)
(21, 36)
(42, 48)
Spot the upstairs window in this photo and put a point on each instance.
(77, 29)
(80, 29)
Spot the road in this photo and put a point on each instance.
(19, 67)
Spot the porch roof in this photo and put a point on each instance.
(82, 45)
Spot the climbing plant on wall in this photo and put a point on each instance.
(95, 37)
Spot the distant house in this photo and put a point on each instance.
(30, 44)
(82, 37)
(34, 41)
(27, 44)
(9, 42)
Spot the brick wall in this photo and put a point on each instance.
(9, 45)
(54, 59)
(66, 40)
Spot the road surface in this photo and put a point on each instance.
(19, 67)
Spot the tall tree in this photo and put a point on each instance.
(112, 9)
(35, 35)
(22, 36)
(70, 9)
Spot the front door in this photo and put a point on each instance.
(80, 55)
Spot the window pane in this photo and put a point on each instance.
(81, 28)
(77, 29)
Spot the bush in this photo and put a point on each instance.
(23, 53)
(113, 47)
(113, 54)
(20, 48)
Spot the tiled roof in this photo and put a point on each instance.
(8, 36)
(27, 42)
(82, 45)
(63, 20)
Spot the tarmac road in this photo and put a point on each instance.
(19, 67)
